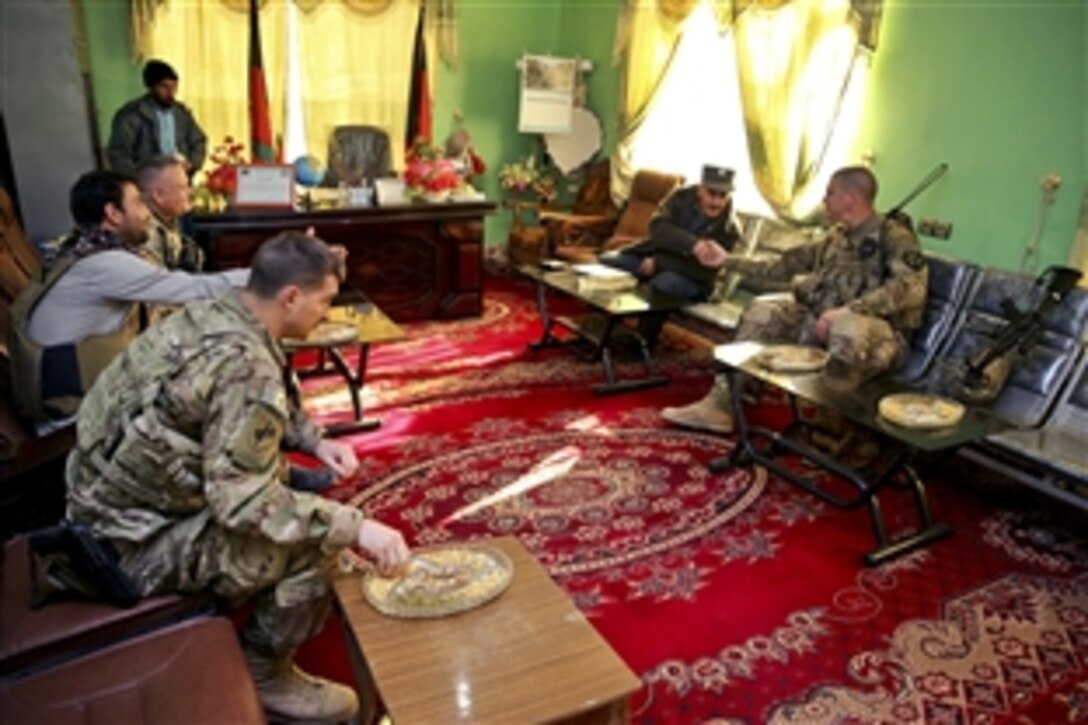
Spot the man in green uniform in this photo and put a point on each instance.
(177, 463)
(860, 293)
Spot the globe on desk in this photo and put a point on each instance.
(309, 171)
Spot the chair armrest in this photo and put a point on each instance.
(524, 212)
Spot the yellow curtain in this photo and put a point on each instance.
(647, 35)
(798, 62)
(1078, 255)
(142, 16)
(207, 42)
(356, 69)
(440, 27)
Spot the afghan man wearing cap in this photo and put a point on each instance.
(689, 236)
(155, 124)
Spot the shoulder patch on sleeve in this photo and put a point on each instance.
(256, 441)
(914, 259)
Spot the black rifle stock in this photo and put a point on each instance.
(75, 560)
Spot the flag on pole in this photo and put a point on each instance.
(419, 101)
(260, 122)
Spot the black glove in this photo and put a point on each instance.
(313, 480)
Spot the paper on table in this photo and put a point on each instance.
(599, 270)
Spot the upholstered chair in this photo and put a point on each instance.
(583, 240)
(358, 154)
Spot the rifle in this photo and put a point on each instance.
(74, 560)
(986, 369)
(896, 212)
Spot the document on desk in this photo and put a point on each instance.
(265, 186)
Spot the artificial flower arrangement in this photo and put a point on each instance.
(428, 175)
(526, 177)
(219, 183)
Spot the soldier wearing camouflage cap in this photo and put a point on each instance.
(860, 293)
(178, 464)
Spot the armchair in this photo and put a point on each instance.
(582, 239)
(536, 226)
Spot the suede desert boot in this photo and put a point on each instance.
(710, 414)
(289, 694)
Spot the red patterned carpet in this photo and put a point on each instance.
(736, 598)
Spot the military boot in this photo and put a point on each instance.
(288, 693)
(710, 414)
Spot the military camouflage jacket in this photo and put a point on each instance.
(188, 422)
(876, 269)
(167, 247)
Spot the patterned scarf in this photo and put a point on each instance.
(84, 240)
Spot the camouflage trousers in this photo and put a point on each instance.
(290, 587)
(861, 346)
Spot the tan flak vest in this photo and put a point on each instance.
(50, 381)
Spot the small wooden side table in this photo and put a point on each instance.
(528, 656)
(372, 326)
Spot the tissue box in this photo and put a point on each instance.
(389, 191)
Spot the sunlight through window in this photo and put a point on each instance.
(553, 467)
(697, 116)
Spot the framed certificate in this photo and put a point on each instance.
(265, 186)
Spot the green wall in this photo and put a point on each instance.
(116, 76)
(996, 88)
(484, 87)
(588, 30)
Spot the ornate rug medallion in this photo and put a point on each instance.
(579, 501)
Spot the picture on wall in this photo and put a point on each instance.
(547, 94)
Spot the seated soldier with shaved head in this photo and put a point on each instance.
(860, 293)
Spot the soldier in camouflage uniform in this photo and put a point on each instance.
(165, 188)
(177, 463)
(860, 292)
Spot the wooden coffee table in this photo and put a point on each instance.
(602, 326)
(528, 656)
(371, 326)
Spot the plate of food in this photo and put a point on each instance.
(440, 581)
(920, 411)
(792, 358)
(328, 333)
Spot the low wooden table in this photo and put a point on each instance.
(372, 326)
(601, 328)
(528, 656)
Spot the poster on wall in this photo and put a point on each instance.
(547, 94)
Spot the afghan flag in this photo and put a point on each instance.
(419, 101)
(260, 122)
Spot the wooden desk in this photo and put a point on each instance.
(416, 261)
(529, 656)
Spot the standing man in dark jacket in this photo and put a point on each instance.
(689, 237)
(155, 124)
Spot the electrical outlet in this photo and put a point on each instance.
(942, 230)
(934, 228)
